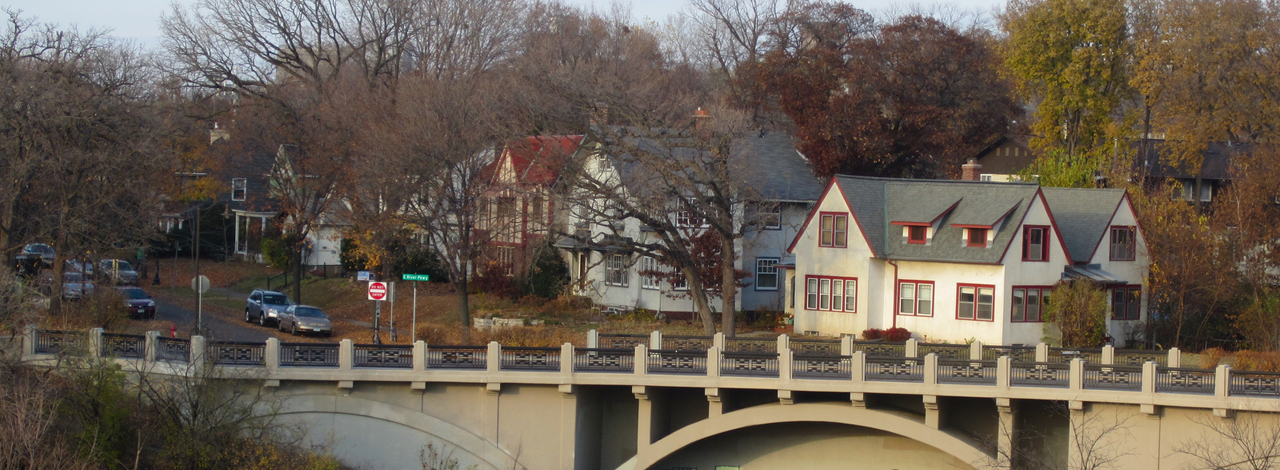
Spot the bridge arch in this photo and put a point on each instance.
(809, 412)
(350, 408)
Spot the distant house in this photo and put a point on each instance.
(613, 276)
(1003, 159)
(1156, 164)
(518, 205)
(958, 260)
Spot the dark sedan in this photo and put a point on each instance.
(138, 302)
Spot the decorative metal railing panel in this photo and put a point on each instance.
(523, 358)
(669, 361)
(1257, 384)
(1138, 357)
(173, 349)
(749, 363)
(1112, 377)
(749, 345)
(308, 355)
(1040, 374)
(58, 342)
(241, 354)
(604, 360)
(1015, 353)
(118, 345)
(960, 371)
(943, 351)
(621, 341)
(1180, 380)
(816, 347)
(382, 356)
(894, 368)
(822, 366)
(687, 343)
(879, 349)
(457, 357)
(1065, 355)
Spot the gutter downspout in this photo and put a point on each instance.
(895, 292)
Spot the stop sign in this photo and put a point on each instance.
(377, 291)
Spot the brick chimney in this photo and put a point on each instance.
(970, 170)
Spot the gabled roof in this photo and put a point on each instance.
(877, 202)
(1082, 216)
(536, 160)
(1219, 160)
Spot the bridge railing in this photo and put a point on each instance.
(1179, 380)
(816, 347)
(749, 363)
(1016, 353)
(671, 361)
(806, 366)
(524, 358)
(760, 345)
(1113, 377)
(309, 354)
(899, 369)
(1255, 384)
(237, 353)
(967, 371)
(604, 360)
(389, 356)
(457, 357)
(123, 346)
(173, 349)
(1041, 374)
(944, 351)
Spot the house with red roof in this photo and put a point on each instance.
(518, 205)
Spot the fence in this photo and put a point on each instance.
(1137, 357)
(687, 343)
(242, 354)
(457, 357)
(750, 345)
(604, 360)
(894, 368)
(1016, 353)
(822, 366)
(516, 358)
(1170, 379)
(309, 354)
(671, 361)
(954, 371)
(1040, 374)
(816, 347)
(173, 349)
(1112, 377)
(1065, 355)
(749, 363)
(1257, 384)
(125, 346)
(390, 356)
(943, 351)
(619, 341)
(58, 342)
(879, 349)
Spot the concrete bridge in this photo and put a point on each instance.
(648, 402)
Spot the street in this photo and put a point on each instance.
(219, 328)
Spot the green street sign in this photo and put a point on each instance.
(416, 277)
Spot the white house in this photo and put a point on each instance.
(611, 276)
(959, 260)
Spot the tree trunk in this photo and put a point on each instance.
(728, 287)
(700, 302)
(464, 305)
(297, 276)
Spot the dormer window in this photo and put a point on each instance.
(977, 237)
(916, 234)
(239, 189)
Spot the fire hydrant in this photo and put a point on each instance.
(173, 330)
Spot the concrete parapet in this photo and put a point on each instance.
(593, 339)
(975, 350)
(913, 348)
(1042, 352)
(641, 363)
(655, 339)
(1075, 376)
(1108, 354)
(95, 342)
(271, 354)
(347, 354)
(419, 355)
(713, 362)
(493, 361)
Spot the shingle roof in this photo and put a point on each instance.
(1219, 160)
(877, 202)
(1082, 216)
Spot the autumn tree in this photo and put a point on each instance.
(1078, 314)
(911, 98)
(1070, 58)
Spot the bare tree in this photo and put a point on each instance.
(1096, 440)
(1247, 440)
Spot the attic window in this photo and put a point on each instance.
(916, 234)
(977, 237)
(239, 189)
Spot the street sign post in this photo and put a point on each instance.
(413, 333)
(200, 284)
(377, 290)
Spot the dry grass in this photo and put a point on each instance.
(1264, 361)
(528, 336)
(220, 274)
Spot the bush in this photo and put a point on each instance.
(1264, 361)
(1079, 313)
(1210, 358)
(547, 276)
(279, 251)
(893, 335)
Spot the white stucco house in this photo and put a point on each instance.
(612, 276)
(961, 260)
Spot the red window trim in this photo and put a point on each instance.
(897, 299)
(1042, 290)
(983, 238)
(975, 301)
(1133, 250)
(816, 308)
(1111, 299)
(833, 216)
(1044, 243)
(923, 239)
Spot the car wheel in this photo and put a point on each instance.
(262, 319)
(246, 316)
(328, 334)
(294, 329)
(280, 326)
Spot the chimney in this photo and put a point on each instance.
(970, 170)
(700, 117)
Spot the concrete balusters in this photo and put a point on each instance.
(198, 348)
(846, 345)
(593, 339)
(655, 339)
(784, 343)
(1075, 375)
(975, 350)
(913, 348)
(1042, 352)
(493, 361)
(718, 340)
(566, 360)
(713, 362)
(271, 355)
(1222, 381)
(149, 354)
(858, 366)
(1108, 354)
(641, 366)
(95, 342)
(931, 370)
(1003, 367)
(419, 355)
(1175, 357)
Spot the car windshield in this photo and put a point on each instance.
(124, 266)
(135, 294)
(72, 277)
(275, 299)
(308, 312)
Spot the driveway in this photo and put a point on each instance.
(219, 328)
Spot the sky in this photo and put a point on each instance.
(139, 20)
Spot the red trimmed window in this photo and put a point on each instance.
(835, 294)
(833, 230)
(975, 302)
(1124, 241)
(915, 298)
(1035, 243)
(1126, 303)
(977, 237)
(916, 234)
(1029, 303)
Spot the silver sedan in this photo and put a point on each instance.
(302, 319)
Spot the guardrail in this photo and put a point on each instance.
(1016, 353)
(750, 345)
(308, 354)
(687, 343)
(390, 356)
(944, 351)
(788, 362)
(879, 349)
(620, 341)
(1065, 355)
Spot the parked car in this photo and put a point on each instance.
(76, 286)
(38, 251)
(77, 266)
(138, 302)
(302, 319)
(265, 306)
(118, 271)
